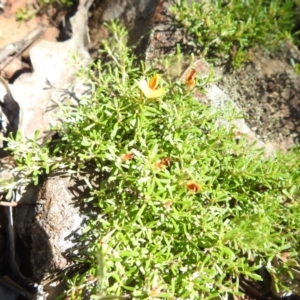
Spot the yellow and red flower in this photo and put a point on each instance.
(150, 89)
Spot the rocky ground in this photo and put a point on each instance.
(266, 89)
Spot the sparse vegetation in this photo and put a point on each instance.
(60, 3)
(25, 14)
(228, 29)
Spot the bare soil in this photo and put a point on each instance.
(268, 91)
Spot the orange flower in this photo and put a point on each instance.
(155, 291)
(154, 81)
(284, 256)
(193, 186)
(163, 163)
(149, 90)
(127, 156)
(190, 78)
(238, 133)
(168, 205)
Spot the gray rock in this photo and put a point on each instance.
(58, 219)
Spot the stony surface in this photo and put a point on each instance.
(49, 219)
(58, 219)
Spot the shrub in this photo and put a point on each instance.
(182, 209)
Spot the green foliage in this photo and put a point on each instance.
(296, 66)
(223, 28)
(182, 208)
(25, 14)
(57, 3)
